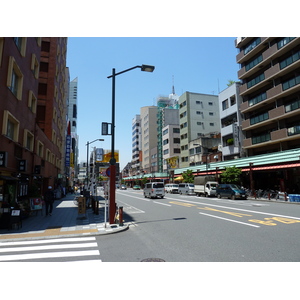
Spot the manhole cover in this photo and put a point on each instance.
(152, 260)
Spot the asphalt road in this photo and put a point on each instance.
(194, 229)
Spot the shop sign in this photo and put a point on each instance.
(22, 165)
(3, 159)
(68, 150)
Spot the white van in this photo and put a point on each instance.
(154, 190)
(171, 188)
(186, 188)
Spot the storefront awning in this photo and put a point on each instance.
(272, 167)
(8, 177)
(178, 178)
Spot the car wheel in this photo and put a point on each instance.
(233, 197)
(219, 196)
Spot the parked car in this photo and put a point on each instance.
(186, 188)
(231, 191)
(171, 188)
(136, 187)
(123, 187)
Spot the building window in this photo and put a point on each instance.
(259, 118)
(257, 99)
(232, 100)
(10, 126)
(42, 89)
(284, 41)
(176, 130)
(255, 80)
(35, 66)
(32, 102)
(176, 140)
(225, 104)
(40, 149)
(54, 136)
(165, 131)
(290, 83)
(166, 141)
(74, 111)
(254, 62)
(293, 130)
(44, 66)
(261, 138)
(211, 124)
(28, 140)
(21, 44)
(288, 61)
(252, 45)
(166, 151)
(15, 78)
(292, 106)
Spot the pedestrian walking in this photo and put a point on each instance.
(49, 199)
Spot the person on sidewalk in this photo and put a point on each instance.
(49, 199)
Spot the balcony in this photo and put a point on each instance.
(240, 58)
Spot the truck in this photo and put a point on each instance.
(205, 185)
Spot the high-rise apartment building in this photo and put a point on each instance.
(167, 114)
(149, 135)
(136, 145)
(198, 117)
(72, 118)
(270, 75)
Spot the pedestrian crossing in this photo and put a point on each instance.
(51, 250)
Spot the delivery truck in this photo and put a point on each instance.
(205, 186)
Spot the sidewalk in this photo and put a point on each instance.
(64, 222)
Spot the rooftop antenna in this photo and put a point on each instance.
(173, 88)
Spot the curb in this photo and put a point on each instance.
(114, 228)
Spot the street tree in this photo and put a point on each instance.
(231, 175)
(188, 176)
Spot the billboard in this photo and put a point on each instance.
(104, 155)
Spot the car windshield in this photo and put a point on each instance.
(158, 185)
(234, 186)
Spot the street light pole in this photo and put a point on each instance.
(112, 185)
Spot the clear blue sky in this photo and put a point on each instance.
(198, 64)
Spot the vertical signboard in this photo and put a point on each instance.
(68, 150)
(235, 130)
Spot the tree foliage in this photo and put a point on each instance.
(188, 176)
(231, 175)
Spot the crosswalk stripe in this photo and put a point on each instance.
(49, 255)
(48, 247)
(48, 241)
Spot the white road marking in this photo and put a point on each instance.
(49, 255)
(48, 247)
(230, 220)
(162, 203)
(233, 208)
(48, 241)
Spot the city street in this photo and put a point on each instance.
(181, 228)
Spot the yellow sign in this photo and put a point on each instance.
(107, 157)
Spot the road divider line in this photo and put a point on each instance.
(229, 220)
(162, 203)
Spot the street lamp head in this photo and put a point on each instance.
(147, 68)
